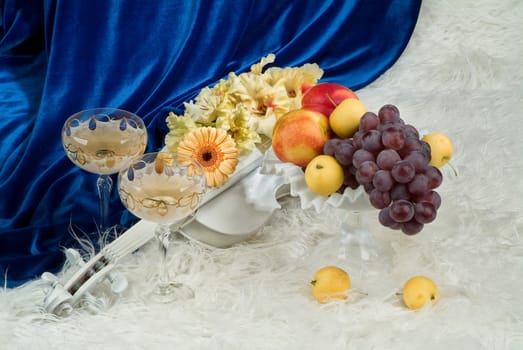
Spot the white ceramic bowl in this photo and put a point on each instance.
(230, 218)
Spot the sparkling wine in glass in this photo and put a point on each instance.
(103, 141)
(155, 187)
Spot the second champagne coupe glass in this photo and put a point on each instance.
(103, 141)
(155, 187)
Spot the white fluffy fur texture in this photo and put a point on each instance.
(461, 74)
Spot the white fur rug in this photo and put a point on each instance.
(462, 75)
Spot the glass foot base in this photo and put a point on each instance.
(169, 292)
(355, 235)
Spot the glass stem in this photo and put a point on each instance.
(105, 186)
(167, 289)
(355, 232)
(162, 234)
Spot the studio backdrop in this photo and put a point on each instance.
(58, 57)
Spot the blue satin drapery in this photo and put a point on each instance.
(61, 56)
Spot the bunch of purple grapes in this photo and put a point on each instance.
(387, 157)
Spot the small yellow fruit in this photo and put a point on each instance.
(345, 118)
(324, 175)
(441, 148)
(418, 291)
(329, 283)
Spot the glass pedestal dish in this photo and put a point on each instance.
(350, 204)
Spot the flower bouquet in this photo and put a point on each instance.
(229, 121)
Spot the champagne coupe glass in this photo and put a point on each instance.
(103, 141)
(157, 188)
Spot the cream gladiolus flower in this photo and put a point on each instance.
(247, 105)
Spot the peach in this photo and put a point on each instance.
(299, 136)
(324, 97)
(418, 291)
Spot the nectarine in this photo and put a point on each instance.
(299, 136)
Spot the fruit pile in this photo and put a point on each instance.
(387, 158)
(340, 144)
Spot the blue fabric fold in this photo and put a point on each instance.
(58, 57)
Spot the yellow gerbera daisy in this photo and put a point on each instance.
(214, 149)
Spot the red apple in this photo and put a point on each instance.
(299, 136)
(324, 97)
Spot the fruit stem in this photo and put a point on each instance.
(453, 169)
(360, 292)
(313, 282)
(330, 99)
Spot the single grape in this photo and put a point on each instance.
(330, 146)
(410, 131)
(393, 138)
(357, 138)
(368, 188)
(349, 180)
(411, 227)
(344, 152)
(401, 210)
(379, 199)
(434, 175)
(369, 121)
(431, 197)
(385, 219)
(371, 141)
(424, 212)
(387, 158)
(387, 124)
(425, 148)
(418, 159)
(400, 191)
(383, 180)
(403, 171)
(361, 156)
(419, 185)
(389, 112)
(366, 171)
(411, 144)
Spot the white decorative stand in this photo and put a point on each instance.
(62, 298)
(350, 204)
